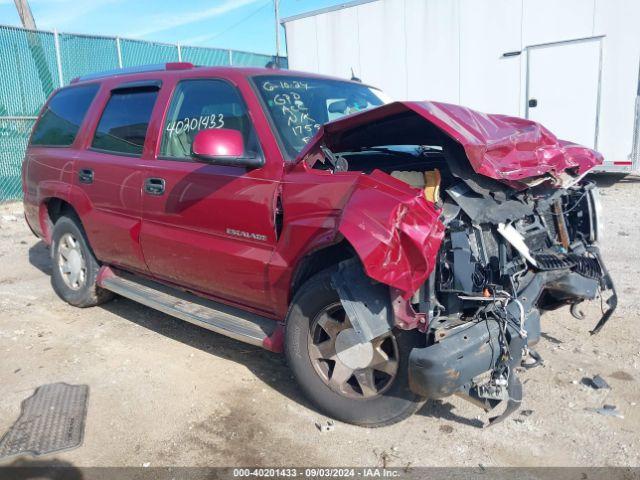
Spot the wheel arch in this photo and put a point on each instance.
(319, 259)
(51, 209)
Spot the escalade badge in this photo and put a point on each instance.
(252, 236)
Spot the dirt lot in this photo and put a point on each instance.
(163, 392)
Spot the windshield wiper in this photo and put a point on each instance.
(338, 162)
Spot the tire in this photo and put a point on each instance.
(393, 404)
(84, 292)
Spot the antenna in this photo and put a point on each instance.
(353, 76)
(277, 17)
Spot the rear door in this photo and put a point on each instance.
(110, 173)
(48, 167)
(209, 228)
(564, 89)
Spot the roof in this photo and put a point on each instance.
(313, 13)
(185, 69)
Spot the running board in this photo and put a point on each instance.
(223, 319)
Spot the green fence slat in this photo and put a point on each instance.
(210, 57)
(138, 52)
(247, 59)
(14, 135)
(82, 54)
(29, 73)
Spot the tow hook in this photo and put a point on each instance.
(531, 359)
(576, 312)
(606, 283)
(492, 395)
(514, 389)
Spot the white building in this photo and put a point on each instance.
(573, 65)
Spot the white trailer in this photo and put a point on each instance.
(572, 65)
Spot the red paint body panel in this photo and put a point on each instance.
(213, 231)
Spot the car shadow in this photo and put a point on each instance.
(23, 468)
(269, 367)
(607, 180)
(444, 411)
(40, 257)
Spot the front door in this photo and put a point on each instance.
(212, 228)
(563, 89)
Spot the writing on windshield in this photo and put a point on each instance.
(298, 106)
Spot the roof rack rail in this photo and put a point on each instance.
(159, 67)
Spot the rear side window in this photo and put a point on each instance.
(124, 122)
(63, 115)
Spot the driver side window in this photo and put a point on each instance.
(199, 105)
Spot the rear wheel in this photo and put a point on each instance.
(361, 383)
(75, 268)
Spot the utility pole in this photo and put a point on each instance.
(35, 47)
(277, 15)
(25, 14)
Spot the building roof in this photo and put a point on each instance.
(313, 13)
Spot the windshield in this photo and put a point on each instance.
(298, 106)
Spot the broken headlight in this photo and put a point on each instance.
(595, 214)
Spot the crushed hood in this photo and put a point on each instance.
(508, 149)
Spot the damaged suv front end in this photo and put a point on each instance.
(478, 224)
(499, 268)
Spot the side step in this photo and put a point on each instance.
(232, 322)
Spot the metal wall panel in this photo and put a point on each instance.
(545, 21)
(453, 51)
(490, 81)
(620, 77)
(373, 36)
(302, 44)
(393, 53)
(433, 50)
(339, 33)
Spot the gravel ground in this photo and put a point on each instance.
(163, 392)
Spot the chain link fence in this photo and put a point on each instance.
(34, 63)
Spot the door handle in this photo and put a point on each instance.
(154, 186)
(85, 175)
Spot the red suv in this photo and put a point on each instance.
(395, 251)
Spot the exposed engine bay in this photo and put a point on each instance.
(507, 256)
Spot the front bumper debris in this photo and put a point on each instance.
(446, 367)
(478, 360)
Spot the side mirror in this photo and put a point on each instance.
(222, 146)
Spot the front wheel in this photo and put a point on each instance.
(361, 383)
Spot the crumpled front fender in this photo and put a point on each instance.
(394, 230)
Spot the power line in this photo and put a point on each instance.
(242, 20)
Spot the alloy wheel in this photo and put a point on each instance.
(71, 262)
(352, 369)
